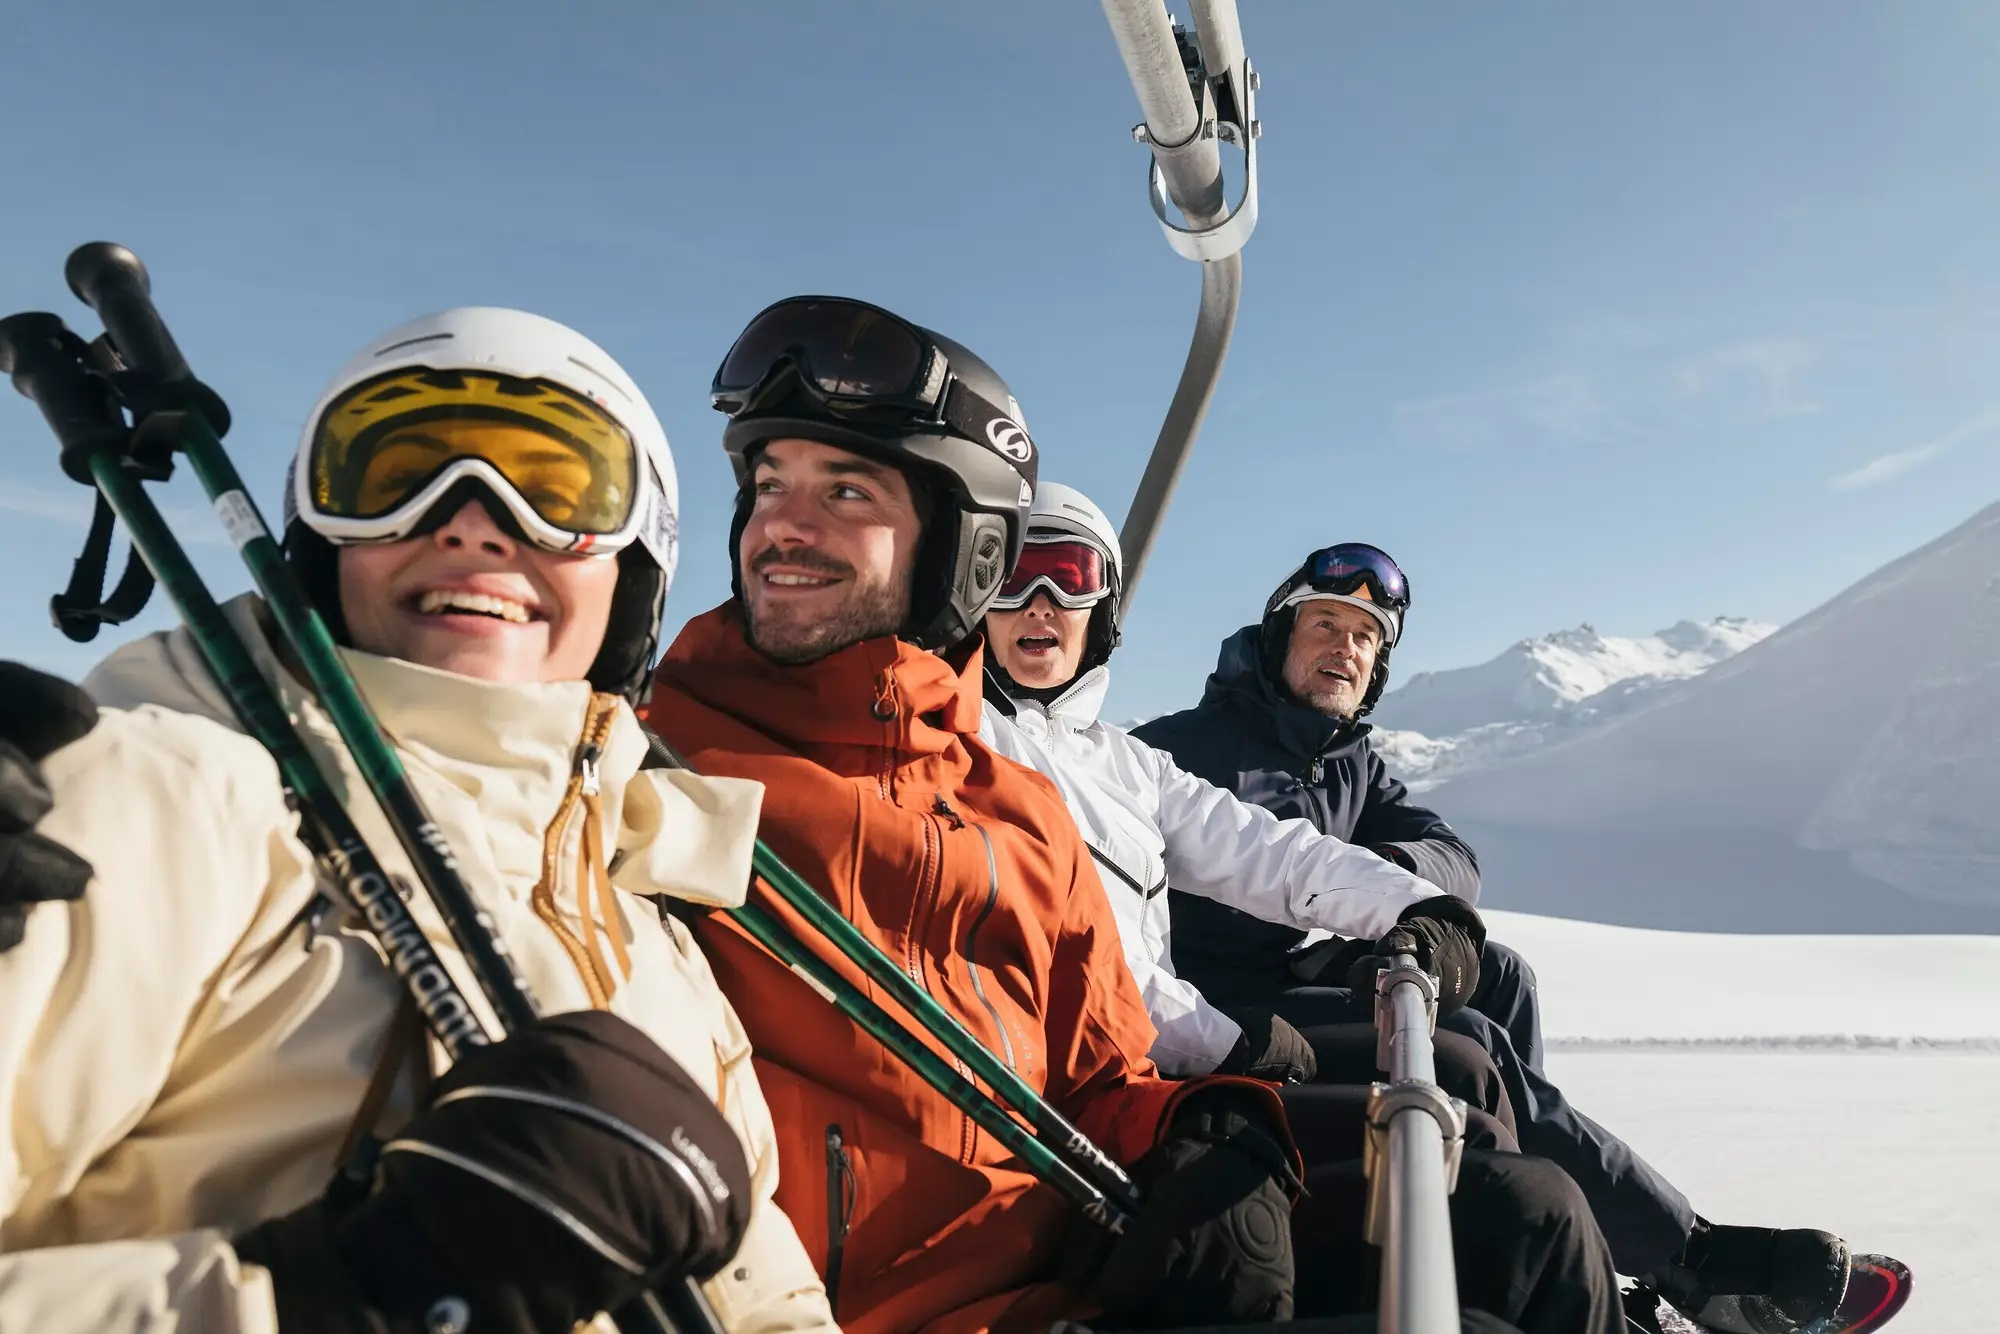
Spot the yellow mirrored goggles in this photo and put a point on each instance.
(387, 449)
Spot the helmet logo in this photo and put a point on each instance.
(1010, 438)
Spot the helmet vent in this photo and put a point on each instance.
(609, 383)
(444, 337)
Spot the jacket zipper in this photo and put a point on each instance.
(839, 1209)
(928, 883)
(585, 779)
(972, 944)
(885, 710)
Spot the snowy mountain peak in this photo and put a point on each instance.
(1538, 680)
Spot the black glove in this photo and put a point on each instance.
(1446, 936)
(1212, 1243)
(1270, 1048)
(661, 1185)
(39, 714)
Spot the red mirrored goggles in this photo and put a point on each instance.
(1074, 574)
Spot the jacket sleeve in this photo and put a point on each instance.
(1417, 837)
(1098, 1033)
(1283, 871)
(94, 1005)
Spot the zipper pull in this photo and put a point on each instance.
(586, 767)
(885, 699)
(1317, 774)
(943, 808)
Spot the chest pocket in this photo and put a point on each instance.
(1136, 870)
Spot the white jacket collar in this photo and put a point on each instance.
(1077, 707)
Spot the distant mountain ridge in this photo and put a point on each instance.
(1542, 690)
(1840, 775)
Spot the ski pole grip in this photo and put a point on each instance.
(111, 281)
(45, 360)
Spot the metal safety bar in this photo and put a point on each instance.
(1416, 1136)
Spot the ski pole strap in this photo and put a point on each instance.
(81, 609)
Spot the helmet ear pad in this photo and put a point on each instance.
(632, 632)
(1377, 681)
(1274, 643)
(1102, 636)
(316, 562)
(963, 558)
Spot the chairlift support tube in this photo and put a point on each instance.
(1184, 128)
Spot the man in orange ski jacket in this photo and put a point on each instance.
(885, 479)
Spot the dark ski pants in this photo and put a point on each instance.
(1346, 1057)
(1643, 1216)
(1506, 995)
(1330, 1121)
(1526, 1247)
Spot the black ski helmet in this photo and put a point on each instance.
(978, 487)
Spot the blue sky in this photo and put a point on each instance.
(1587, 312)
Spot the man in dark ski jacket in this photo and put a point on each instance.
(1249, 735)
(1279, 725)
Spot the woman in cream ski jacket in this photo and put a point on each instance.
(1147, 821)
(193, 1047)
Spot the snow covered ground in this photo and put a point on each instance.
(1844, 1082)
(1604, 985)
(1896, 1151)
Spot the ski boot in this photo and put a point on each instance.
(1745, 1280)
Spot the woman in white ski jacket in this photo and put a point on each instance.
(194, 1047)
(1147, 821)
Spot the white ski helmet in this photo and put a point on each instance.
(1063, 513)
(613, 490)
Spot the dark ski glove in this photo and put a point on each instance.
(1445, 934)
(1269, 1048)
(39, 715)
(554, 1175)
(1212, 1242)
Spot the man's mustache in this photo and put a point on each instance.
(801, 558)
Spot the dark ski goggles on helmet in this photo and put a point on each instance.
(863, 363)
(1343, 569)
(1074, 574)
(388, 450)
